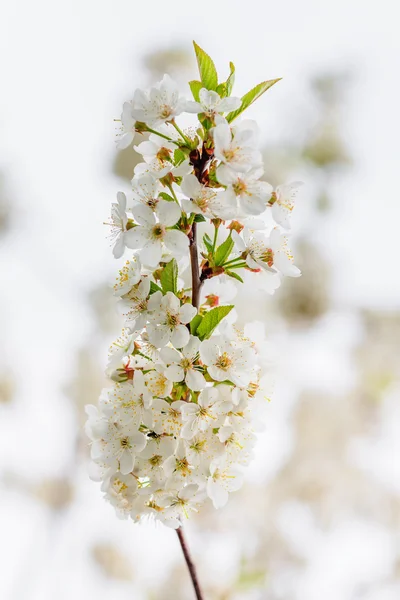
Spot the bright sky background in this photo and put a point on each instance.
(66, 68)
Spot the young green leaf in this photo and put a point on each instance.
(231, 80)
(194, 323)
(195, 87)
(251, 97)
(199, 219)
(207, 70)
(234, 275)
(154, 288)
(210, 321)
(169, 277)
(223, 251)
(166, 197)
(207, 242)
(179, 157)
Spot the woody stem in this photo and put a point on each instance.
(190, 564)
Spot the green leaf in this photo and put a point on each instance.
(207, 242)
(195, 87)
(210, 321)
(179, 157)
(166, 197)
(207, 70)
(223, 251)
(199, 219)
(251, 97)
(169, 277)
(231, 79)
(154, 288)
(234, 275)
(194, 323)
(221, 90)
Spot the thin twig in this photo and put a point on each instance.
(190, 564)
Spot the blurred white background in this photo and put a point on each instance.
(319, 515)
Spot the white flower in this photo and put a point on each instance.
(227, 360)
(239, 443)
(284, 200)
(151, 235)
(128, 124)
(222, 480)
(119, 446)
(162, 103)
(128, 276)
(134, 403)
(182, 366)
(177, 467)
(169, 321)
(121, 493)
(146, 189)
(235, 147)
(181, 501)
(158, 152)
(207, 411)
(268, 253)
(167, 417)
(135, 305)
(150, 461)
(158, 168)
(212, 104)
(251, 193)
(119, 350)
(118, 223)
(202, 449)
(217, 291)
(205, 200)
(158, 384)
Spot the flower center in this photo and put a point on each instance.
(125, 443)
(230, 154)
(172, 320)
(267, 256)
(182, 466)
(186, 363)
(165, 111)
(224, 362)
(158, 231)
(155, 460)
(239, 187)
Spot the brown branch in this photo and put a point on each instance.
(194, 263)
(190, 564)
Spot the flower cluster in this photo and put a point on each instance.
(187, 387)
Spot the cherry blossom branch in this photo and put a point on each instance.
(194, 260)
(190, 563)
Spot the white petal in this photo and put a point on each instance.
(176, 241)
(174, 373)
(136, 237)
(126, 462)
(217, 493)
(228, 104)
(190, 186)
(158, 336)
(119, 246)
(180, 336)
(187, 312)
(168, 212)
(192, 347)
(151, 253)
(169, 356)
(225, 175)
(143, 215)
(208, 352)
(195, 380)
